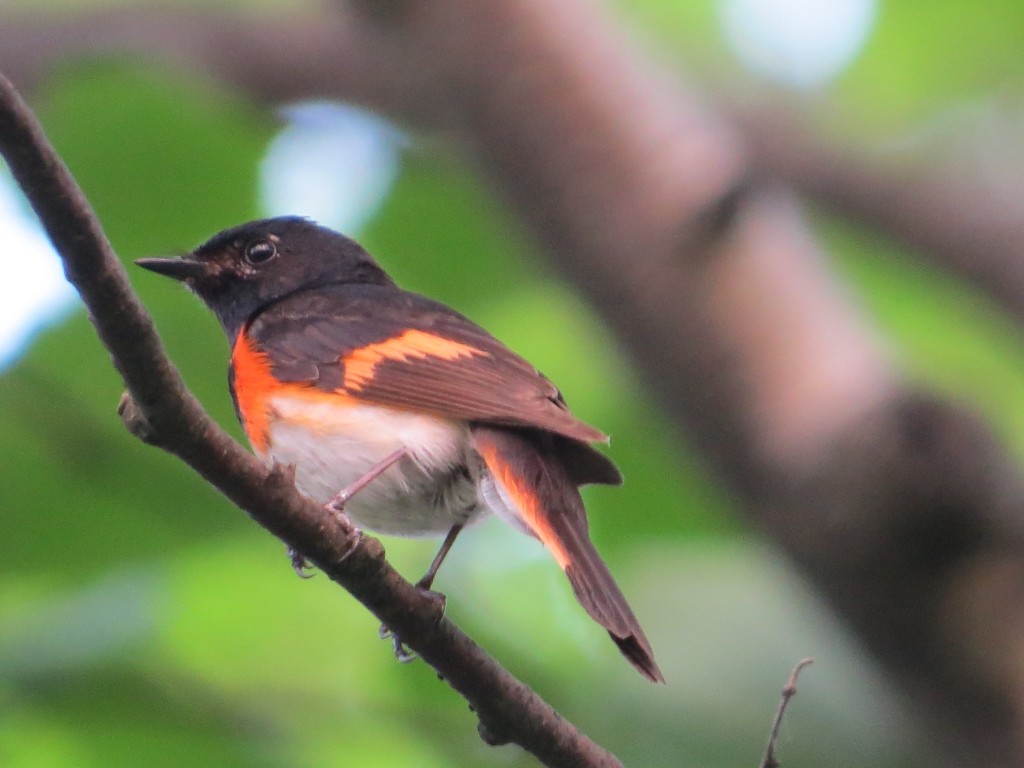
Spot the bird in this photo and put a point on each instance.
(397, 409)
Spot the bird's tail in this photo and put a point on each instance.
(535, 489)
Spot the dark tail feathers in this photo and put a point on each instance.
(539, 473)
(598, 593)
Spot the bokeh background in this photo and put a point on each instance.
(146, 622)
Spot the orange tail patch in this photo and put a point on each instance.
(525, 499)
(528, 469)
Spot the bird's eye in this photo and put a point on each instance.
(259, 252)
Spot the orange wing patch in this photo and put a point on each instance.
(526, 500)
(361, 364)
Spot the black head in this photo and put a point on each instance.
(241, 270)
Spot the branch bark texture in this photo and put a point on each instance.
(174, 420)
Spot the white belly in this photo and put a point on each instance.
(424, 494)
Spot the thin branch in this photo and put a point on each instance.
(788, 692)
(164, 412)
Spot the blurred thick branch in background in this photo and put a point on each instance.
(675, 224)
(946, 214)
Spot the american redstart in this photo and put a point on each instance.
(414, 419)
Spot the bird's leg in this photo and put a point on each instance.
(336, 505)
(428, 578)
(402, 653)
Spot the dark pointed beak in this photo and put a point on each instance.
(178, 269)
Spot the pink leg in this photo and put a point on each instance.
(402, 653)
(428, 578)
(337, 504)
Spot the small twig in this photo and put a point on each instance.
(788, 693)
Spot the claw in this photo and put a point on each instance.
(336, 507)
(337, 503)
(403, 654)
(300, 564)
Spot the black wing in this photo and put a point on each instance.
(399, 349)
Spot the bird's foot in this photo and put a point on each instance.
(402, 653)
(302, 567)
(336, 506)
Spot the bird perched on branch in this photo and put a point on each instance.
(397, 409)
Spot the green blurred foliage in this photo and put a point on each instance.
(145, 621)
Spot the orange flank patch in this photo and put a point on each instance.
(528, 504)
(255, 386)
(361, 364)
